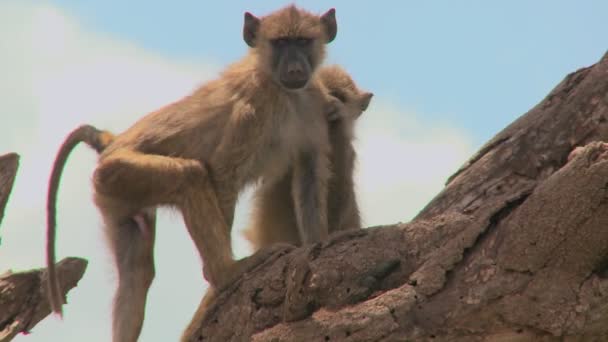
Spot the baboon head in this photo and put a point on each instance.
(290, 43)
(341, 86)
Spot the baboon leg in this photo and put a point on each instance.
(199, 315)
(350, 219)
(227, 202)
(148, 179)
(309, 191)
(132, 245)
(274, 219)
(279, 223)
(208, 229)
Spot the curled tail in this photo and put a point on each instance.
(96, 139)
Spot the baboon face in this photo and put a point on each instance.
(353, 101)
(290, 43)
(292, 60)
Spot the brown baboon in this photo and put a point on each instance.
(341, 198)
(273, 218)
(265, 115)
(343, 211)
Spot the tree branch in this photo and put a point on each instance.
(23, 298)
(514, 248)
(8, 170)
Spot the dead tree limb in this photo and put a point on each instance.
(8, 170)
(23, 299)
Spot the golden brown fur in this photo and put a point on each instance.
(273, 218)
(343, 211)
(249, 125)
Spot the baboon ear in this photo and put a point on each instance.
(250, 28)
(331, 26)
(365, 100)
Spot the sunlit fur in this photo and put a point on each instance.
(273, 218)
(198, 153)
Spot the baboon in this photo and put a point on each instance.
(265, 115)
(273, 218)
(343, 210)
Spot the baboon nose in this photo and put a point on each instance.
(295, 76)
(294, 69)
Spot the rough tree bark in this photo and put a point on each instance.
(23, 300)
(515, 248)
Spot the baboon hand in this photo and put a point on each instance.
(334, 109)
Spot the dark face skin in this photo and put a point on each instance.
(292, 61)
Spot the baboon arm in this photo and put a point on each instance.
(208, 228)
(349, 216)
(273, 219)
(227, 203)
(309, 191)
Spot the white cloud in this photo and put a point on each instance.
(403, 162)
(59, 75)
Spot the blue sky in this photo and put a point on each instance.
(477, 63)
(446, 75)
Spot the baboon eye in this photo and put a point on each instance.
(303, 41)
(339, 95)
(280, 42)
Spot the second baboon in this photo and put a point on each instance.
(264, 115)
(273, 218)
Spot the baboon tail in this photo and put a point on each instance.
(96, 139)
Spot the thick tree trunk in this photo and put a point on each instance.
(23, 300)
(515, 248)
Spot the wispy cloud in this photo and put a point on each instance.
(59, 75)
(403, 161)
